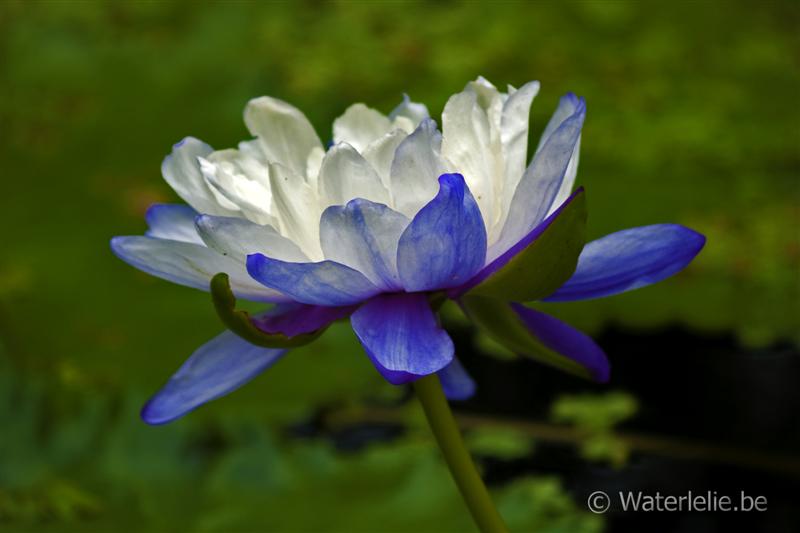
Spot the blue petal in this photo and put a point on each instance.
(215, 369)
(567, 105)
(456, 382)
(517, 248)
(323, 283)
(364, 235)
(174, 222)
(296, 319)
(565, 340)
(630, 259)
(402, 337)
(541, 183)
(445, 244)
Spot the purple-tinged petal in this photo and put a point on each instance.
(174, 222)
(414, 111)
(567, 105)
(565, 340)
(541, 182)
(364, 235)
(516, 249)
(238, 237)
(456, 382)
(220, 366)
(445, 244)
(297, 319)
(630, 259)
(402, 337)
(189, 264)
(324, 283)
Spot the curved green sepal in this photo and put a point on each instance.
(547, 263)
(501, 323)
(240, 323)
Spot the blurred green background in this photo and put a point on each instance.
(692, 119)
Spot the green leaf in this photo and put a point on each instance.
(240, 323)
(595, 416)
(499, 321)
(503, 443)
(547, 263)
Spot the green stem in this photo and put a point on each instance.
(444, 427)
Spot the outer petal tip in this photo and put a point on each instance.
(458, 385)
(217, 368)
(453, 179)
(151, 416)
(630, 259)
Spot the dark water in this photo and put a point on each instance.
(723, 419)
(731, 412)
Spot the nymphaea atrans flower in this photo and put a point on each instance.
(382, 226)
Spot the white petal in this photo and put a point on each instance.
(359, 126)
(403, 123)
(514, 130)
(237, 238)
(284, 133)
(490, 99)
(380, 153)
(242, 181)
(514, 137)
(181, 169)
(312, 166)
(416, 168)
(189, 264)
(252, 149)
(414, 111)
(296, 205)
(345, 175)
(466, 143)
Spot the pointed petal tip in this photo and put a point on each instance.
(254, 262)
(150, 415)
(630, 259)
(115, 243)
(566, 341)
(602, 376)
(215, 369)
(452, 179)
(458, 385)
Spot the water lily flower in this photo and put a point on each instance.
(380, 228)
